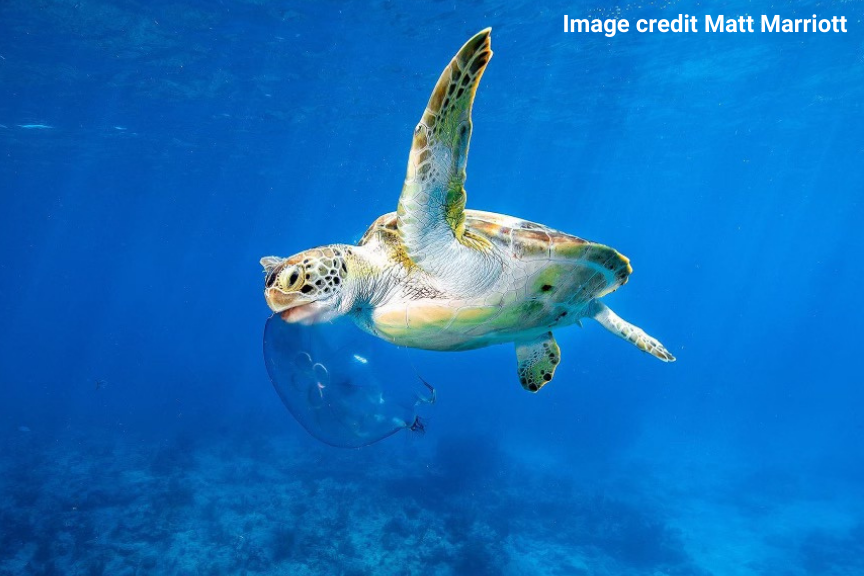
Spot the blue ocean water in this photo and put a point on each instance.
(151, 153)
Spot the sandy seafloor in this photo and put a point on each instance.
(269, 505)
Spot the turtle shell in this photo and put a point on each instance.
(595, 269)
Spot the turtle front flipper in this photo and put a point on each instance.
(431, 211)
(633, 334)
(537, 359)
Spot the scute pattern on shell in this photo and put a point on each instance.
(523, 240)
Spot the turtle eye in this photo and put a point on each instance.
(285, 279)
(289, 277)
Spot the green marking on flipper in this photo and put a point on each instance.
(537, 360)
(431, 210)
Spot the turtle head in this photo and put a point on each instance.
(309, 287)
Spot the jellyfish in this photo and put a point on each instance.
(345, 387)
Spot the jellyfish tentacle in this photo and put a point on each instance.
(433, 394)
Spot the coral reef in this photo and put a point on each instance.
(235, 506)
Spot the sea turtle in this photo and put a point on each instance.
(436, 276)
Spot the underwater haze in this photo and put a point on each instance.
(152, 152)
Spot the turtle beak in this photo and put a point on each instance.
(294, 307)
(292, 290)
(281, 285)
(286, 294)
(279, 301)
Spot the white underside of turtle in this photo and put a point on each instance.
(436, 276)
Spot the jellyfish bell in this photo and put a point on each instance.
(345, 387)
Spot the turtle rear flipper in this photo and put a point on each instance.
(537, 359)
(623, 329)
